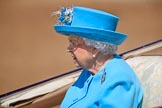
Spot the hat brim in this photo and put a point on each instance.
(112, 37)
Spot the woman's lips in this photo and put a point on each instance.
(75, 61)
(74, 58)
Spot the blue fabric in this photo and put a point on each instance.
(119, 88)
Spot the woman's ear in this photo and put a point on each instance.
(95, 52)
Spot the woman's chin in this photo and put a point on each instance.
(76, 63)
(78, 66)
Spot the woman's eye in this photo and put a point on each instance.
(73, 43)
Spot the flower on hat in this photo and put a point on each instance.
(64, 15)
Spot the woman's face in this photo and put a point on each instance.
(81, 54)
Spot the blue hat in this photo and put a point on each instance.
(89, 23)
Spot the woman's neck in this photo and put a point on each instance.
(99, 63)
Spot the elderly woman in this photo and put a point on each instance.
(106, 81)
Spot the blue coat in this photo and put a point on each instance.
(114, 86)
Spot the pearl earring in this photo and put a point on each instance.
(93, 55)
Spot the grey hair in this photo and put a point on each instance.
(104, 47)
